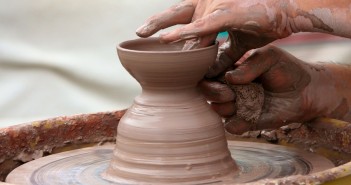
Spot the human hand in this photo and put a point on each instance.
(205, 17)
(251, 24)
(287, 86)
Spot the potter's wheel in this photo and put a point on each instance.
(85, 166)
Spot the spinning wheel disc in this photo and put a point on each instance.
(84, 166)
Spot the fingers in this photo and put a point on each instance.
(254, 66)
(216, 92)
(245, 57)
(199, 42)
(207, 25)
(181, 13)
(208, 40)
(224, 109)
(236, 50)
(237, 126)
(230, 54)
(222, 63)
(222, 101)
(270, 120)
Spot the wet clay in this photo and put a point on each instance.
(170, 134)
(255, 160)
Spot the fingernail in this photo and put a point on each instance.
(140, 30)
(146, 30)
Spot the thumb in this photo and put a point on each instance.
(228, 54)
(254, 66)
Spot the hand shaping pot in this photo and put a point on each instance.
(170, 134)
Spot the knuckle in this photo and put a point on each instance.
(270, 48)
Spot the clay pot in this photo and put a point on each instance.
(170, 134)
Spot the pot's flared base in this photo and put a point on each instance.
(86, 166)
(177, 178)
(215, 179)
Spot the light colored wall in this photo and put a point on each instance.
(58, 57)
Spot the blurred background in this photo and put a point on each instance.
(58, 57)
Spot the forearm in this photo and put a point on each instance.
(329, 92)
(327, 16)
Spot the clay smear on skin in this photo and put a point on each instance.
(270, 9)
(174, 14)
(325, 18)
(310, 19)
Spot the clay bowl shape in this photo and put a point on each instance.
(169, 135)
(156, 65)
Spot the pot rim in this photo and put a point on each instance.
(153, 39)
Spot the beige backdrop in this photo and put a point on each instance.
(57, 57)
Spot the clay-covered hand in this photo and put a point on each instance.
(252, 24)
(206, 17)
(292, 91)
(265, 18)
